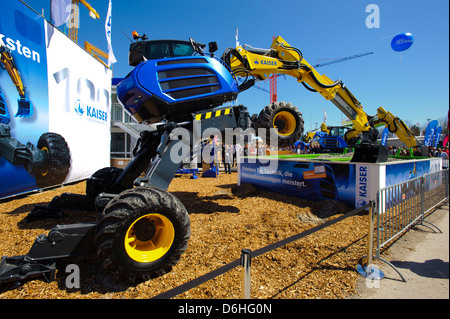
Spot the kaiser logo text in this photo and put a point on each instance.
(90, 112)
(362, 185)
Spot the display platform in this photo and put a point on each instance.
(327, 177)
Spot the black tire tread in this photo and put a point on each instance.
(265, 121)
(112, 222)
(59, 159)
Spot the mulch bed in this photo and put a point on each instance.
(225, 218)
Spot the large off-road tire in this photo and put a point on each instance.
(282, 121)
(142, 233)
(58, 160)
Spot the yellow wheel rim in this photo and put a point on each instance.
(45, 150)
(149, 238)
(285, 123)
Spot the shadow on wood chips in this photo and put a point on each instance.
(225, 218)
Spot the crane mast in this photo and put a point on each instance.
(75, 18)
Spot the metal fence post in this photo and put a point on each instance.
(422, 198)
(246, 256)
(446, 180)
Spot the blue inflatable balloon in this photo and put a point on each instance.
(402, 42)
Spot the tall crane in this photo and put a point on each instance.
(273, 77)
(273, 88)
(96, 52)
(75, 19)
(342, 59)
(273, 85)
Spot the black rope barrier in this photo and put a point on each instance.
(220, 271)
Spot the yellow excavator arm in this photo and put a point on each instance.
(7, 63)
(25, 108)
(282, 58)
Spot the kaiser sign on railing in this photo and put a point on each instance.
(54, 105)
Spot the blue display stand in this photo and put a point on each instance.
(354, 184)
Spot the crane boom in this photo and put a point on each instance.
(92, 12)
(342, 59)
(96, 52)
(73, 30)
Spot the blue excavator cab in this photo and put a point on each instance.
(173, 79)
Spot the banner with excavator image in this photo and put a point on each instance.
(54, 98)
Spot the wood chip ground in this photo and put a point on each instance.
(225, 218)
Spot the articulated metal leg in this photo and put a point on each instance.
(162, 149)
(55, 209)
(109, 181)
(34, 159)
(61, 242)
(165, 165)
(21, 267)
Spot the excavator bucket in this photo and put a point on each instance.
(370, 153)
(25, 108)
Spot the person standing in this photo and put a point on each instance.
(228, 158)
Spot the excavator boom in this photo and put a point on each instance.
(7, 63)
(281, 58)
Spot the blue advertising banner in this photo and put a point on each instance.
(437, 136)
(354, 184)
(308, 180)
(384, 136)
(24, 92)
(430, 132)
(50, 87)
(399, 173)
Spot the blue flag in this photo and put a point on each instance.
(429, 133)
(111, 57)
(437, 136)
(384, 137)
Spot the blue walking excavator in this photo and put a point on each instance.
(142, 230)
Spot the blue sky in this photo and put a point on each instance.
(413, 84)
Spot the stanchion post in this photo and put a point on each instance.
(422, 199)
(381, 195)
(370, 243)
(246, 256)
